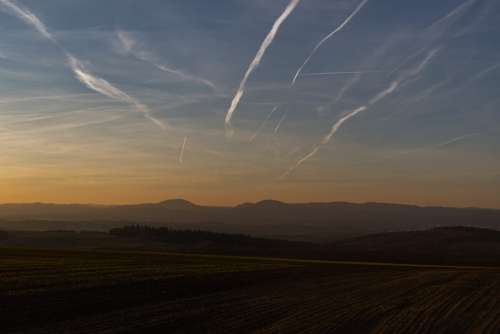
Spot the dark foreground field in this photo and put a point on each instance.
(113, 292)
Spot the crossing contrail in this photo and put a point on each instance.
(256, 61)
(263, 124)
(369, 62)
(431, 35)
(81, 74)
(326, 38)
(377, 98)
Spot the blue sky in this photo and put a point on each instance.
(139, 115)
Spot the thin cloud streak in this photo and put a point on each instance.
(256, 62)
(432, 36)
(282, 119)
(321, 74)
(377, 98)
(81, 74)
(300, 162)
(326, 139)
(105, 88)
(456, 140)
(326, 38)
(458, 10)
(129, 45)
(340, 122)
(185, 76)
(39, 98)
(486, 72)
(24, 14)
(94, 83)
(183, 148)
(391, 89)
(263, 124)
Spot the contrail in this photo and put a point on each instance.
(321, 74)
(96, 84)
(185, 76)
(373, 59)
(455, 140)
(13, 8)
(435, 36)
(429, 91)
(326, 139)
(347, 87)
(326, 38)
(425, 62)
(416, 54)
(256, 61)
(394, 85)
(92, 82)
(282, 119)
(404, 77)
(407, 59)
(340, 122)
(107, 89)
(377, 98)
(300, 162)
(453, 13)
(263, 124)
(181, 153)
(129, 45)
(485, 72)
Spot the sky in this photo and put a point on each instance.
(228, 101)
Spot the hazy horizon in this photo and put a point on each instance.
(235, 204)
(235, 101)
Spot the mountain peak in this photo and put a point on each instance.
(178, 204)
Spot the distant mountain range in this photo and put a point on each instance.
(307, 221)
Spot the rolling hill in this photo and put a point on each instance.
(308, 221)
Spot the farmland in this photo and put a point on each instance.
(136, 292)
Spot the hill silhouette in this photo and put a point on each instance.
(306, 221)
(444, 245)
(440, 246)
